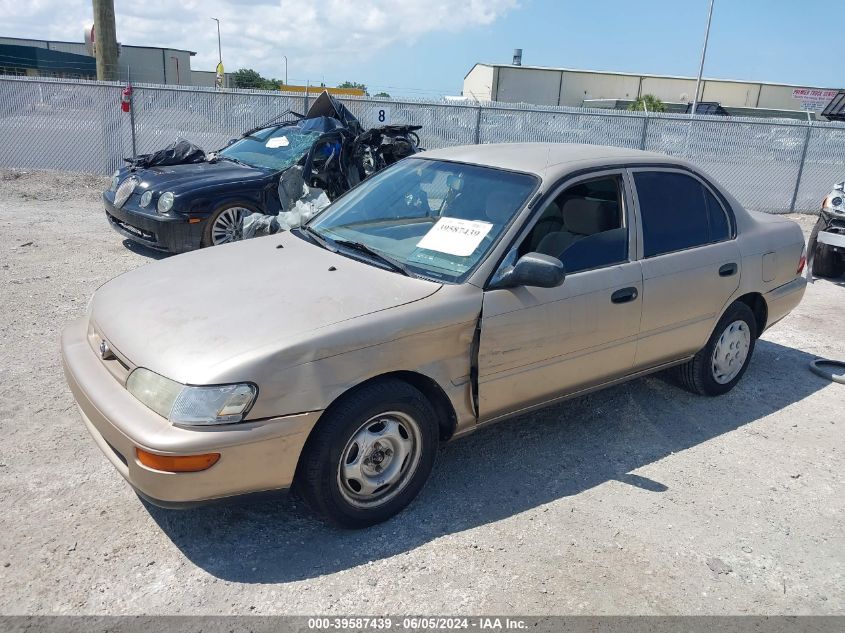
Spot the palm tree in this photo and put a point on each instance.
(649, 103)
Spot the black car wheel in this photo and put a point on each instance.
(722, 362)
(224, 226)
(369, 455)
(826, 261)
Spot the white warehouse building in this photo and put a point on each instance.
(539, 85)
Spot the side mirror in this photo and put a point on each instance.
(532, 269)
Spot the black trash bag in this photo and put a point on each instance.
(180, 152)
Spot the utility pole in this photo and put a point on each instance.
(105, 41)
(703, 55)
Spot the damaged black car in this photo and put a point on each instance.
(273, 178)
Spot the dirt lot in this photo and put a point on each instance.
(639, 499)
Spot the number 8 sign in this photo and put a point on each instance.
(383, 116)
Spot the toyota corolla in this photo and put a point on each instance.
(457, 288)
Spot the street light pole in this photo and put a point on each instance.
(219, 49)
(286, 69)
(703, 55)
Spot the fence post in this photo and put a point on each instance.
(801, 167)
(645, 131)
(478, 126)
(131, 111)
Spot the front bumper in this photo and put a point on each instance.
(837, 240)
(254, 456)
(173, 234)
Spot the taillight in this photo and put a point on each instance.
(802, 261)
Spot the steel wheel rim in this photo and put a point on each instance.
(228, 225)
(731, 352)
(380, 459)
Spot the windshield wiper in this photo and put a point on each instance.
(322, 241)
(234, 160)
(393, 264)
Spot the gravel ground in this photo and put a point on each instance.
(641, 499)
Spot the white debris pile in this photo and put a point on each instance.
(309, 204)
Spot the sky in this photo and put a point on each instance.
(424, 48)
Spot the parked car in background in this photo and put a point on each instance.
(179, 202)
(456, 288)
(828, 236)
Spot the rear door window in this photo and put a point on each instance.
(677, 212)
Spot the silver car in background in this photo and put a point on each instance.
(457, 288)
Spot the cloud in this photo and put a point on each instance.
(316, 35)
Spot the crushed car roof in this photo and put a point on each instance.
(544, 159)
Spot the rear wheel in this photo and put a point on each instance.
(226, 225)
(370, 454)
(720, 364)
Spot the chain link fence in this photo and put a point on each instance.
(769, 165)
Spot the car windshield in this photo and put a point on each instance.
(275, 148)
(433, 218)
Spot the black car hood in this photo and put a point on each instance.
(193, 176)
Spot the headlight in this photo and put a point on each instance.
(834, 203)
(146, 197)
(165, 202)
(115, 180)
(191, 406)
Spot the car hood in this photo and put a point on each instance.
(178, 178)
(189, 316)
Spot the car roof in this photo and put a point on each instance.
(547, 160)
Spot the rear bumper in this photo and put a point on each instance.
(162, 233)
(254, 456)
(783, 299)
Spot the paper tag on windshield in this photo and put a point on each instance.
(455, 236)
(277, 141)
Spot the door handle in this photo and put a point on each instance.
(727, 270)
(624, 295)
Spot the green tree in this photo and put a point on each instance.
(249, 78)
(382, 94)
(650, 102)
(353, 84)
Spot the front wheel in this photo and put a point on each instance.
(717, 367)
(826, 261)
(369, 455)
(224, 226)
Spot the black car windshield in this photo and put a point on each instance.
(275, 148)
(438, 219)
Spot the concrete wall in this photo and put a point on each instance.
(550, 86)
(207, 78)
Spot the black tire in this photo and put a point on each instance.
(318, 476)
(697, 375)
(826, 261)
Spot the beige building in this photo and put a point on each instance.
(143, 64)
(570, 87)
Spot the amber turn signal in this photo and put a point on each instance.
(177, 463)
